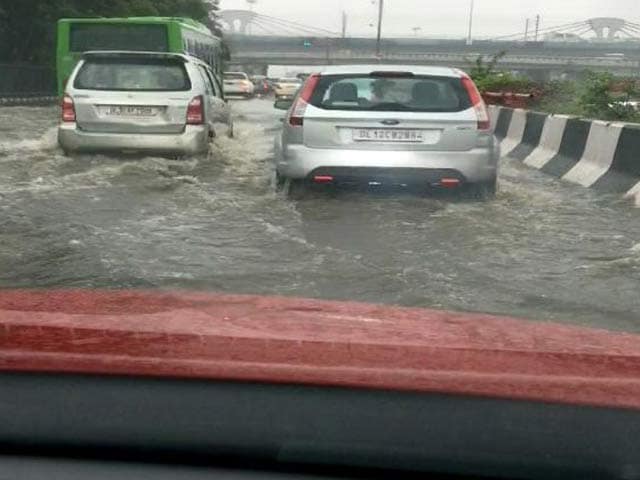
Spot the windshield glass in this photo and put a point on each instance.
(414, 94)
(132, 74)
(413, 198)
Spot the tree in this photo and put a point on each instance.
(27, 27)
(213, 18)
(597, 100)
(488, 78)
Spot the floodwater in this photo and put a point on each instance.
(543, 249)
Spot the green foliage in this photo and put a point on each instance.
(597, 99)
(489, 79)
(600, 96)
(558, 96)
(27, 27)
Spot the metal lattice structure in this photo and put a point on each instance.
(601, 29)
(247, 22)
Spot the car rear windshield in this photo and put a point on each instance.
(391, 93)
(149, 75)
(235, 76)
(88, 36)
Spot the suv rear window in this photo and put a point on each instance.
(235, 76)
(147, 75)
(405, 94)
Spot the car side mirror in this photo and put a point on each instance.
(283, 103)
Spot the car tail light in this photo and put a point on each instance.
(478, 104)
(323, 178)
(195, 111)
(296, 118)
(450, 182)
(68, 109)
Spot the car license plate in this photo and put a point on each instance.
(130, 111)
(393, 135)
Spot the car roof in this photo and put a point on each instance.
(126, 53)
(235, 73)
(415, 69)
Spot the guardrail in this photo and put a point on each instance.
(24, 84)
(594, 154)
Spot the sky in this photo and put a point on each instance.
(440, 18)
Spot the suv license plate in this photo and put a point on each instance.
(120, 111)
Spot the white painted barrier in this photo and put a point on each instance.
(494, 112)
(598, 155)
(550, 141)
(515, 132)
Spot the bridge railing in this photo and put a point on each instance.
(524, 60)
(21, 80)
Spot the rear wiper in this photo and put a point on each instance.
(390, 106)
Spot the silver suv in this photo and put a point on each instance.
(388, 125)
(144, 102)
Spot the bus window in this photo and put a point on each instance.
(113, 36)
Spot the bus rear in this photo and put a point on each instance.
(76, 36)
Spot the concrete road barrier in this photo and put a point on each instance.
(502, 122)
(574, 141)
(494, 111)
(531, 137)
(515, 132)
(550, 141)
(624, 173)
(600, 155)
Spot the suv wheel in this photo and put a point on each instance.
(484, 190)
(294, 189)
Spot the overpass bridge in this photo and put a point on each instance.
(537, 64)
(614, 46)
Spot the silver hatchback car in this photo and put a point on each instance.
(159, 103)
(388, 125)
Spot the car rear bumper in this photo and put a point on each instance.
(473, 166)
(194, 139)
(238, 91)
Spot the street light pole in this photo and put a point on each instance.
(380, 13)
(470, 34)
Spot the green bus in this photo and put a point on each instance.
(155, 34)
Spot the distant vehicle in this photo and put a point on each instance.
(162, 103)
(287, 87)
(238, 84)
(261, 85)
(388, 125)
(154, 34)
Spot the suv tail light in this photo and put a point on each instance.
(484, 123)
(68, 109)
(296, 118)
(195, 111)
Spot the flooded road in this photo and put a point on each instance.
(543, 249)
